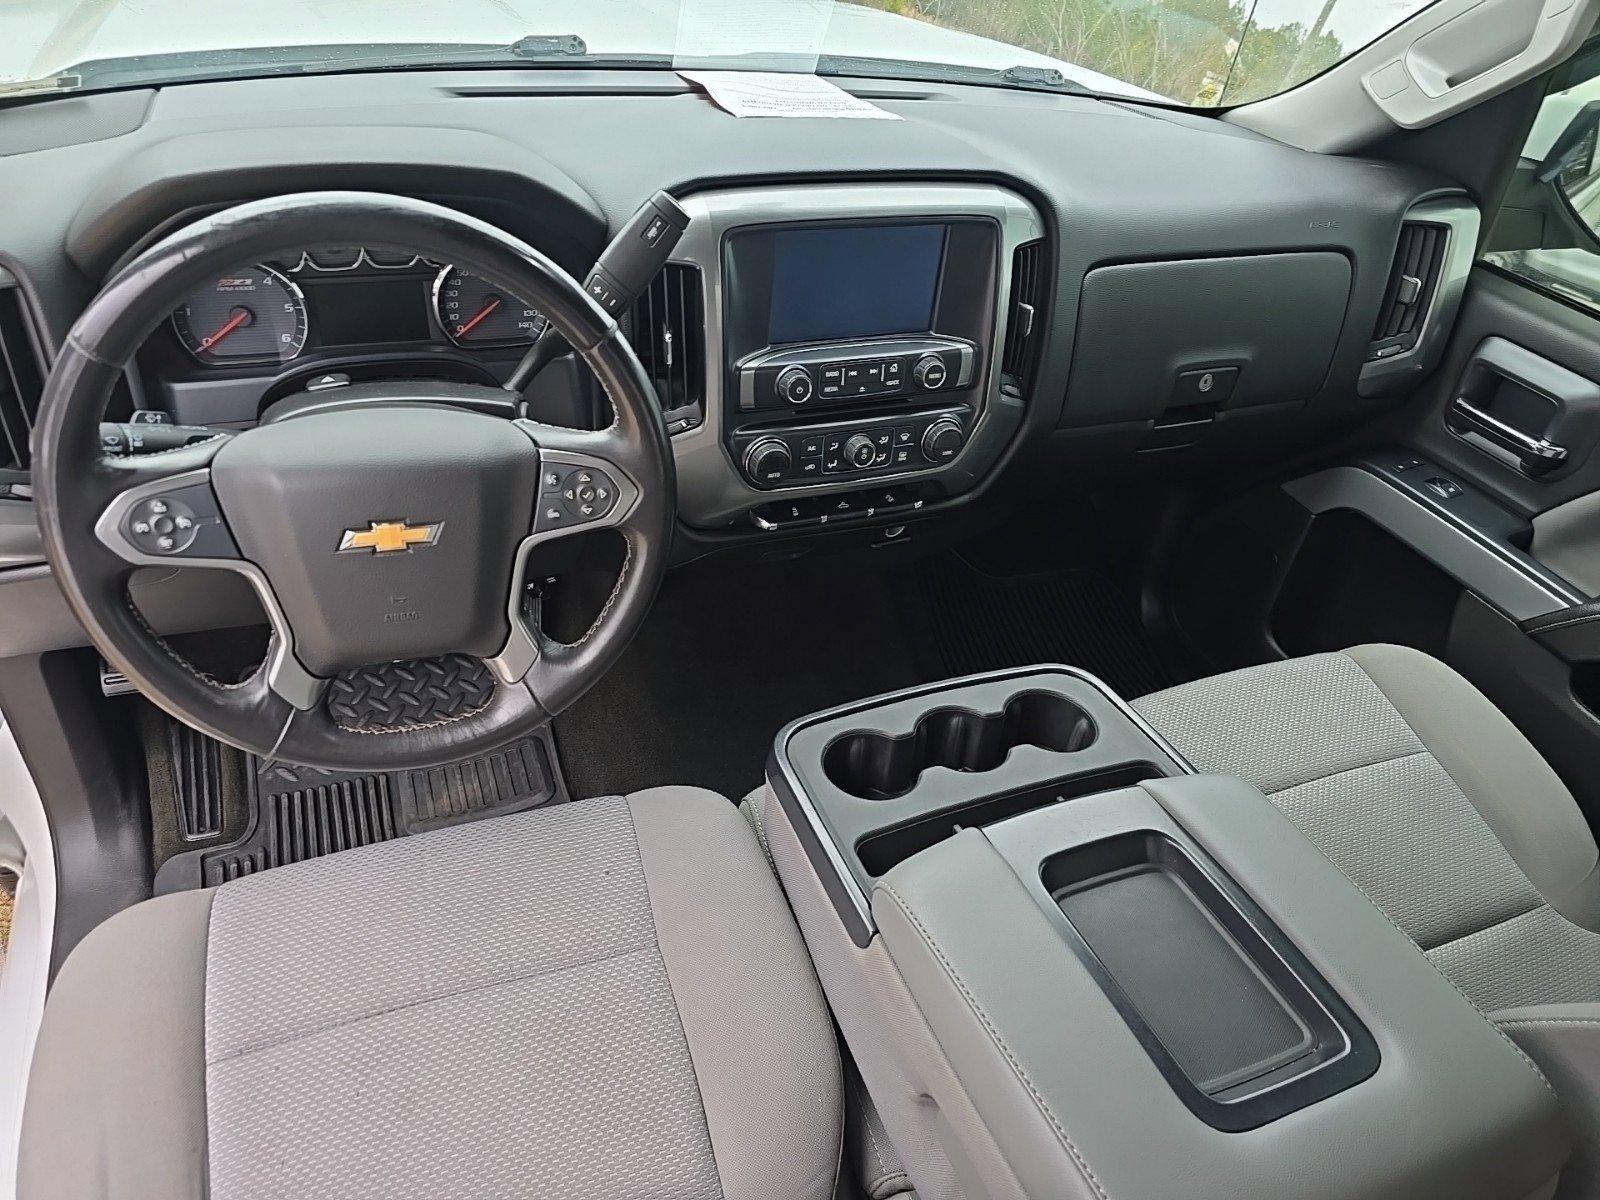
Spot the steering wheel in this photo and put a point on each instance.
(385, 530)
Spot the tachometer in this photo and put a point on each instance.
(473, 312)
(250, 315)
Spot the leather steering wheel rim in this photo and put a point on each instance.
(82, 493)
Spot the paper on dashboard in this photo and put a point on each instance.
(783, 94)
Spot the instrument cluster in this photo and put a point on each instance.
(333, 297)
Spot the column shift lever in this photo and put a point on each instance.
(640, 249)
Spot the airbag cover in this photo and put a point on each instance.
(462, 483)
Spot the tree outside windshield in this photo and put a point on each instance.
(1196, 52)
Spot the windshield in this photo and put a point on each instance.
(1201, 53)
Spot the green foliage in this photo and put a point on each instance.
(1204, 52)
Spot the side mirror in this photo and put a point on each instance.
(1574, 148)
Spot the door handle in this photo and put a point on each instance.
(1537, 455)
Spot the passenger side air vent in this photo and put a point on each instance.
(1412, 281)
(669, 336)
(21, 378)
(1023, 312)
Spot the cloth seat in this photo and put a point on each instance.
(1437, 807)
(605, 1000)
(1427, 797)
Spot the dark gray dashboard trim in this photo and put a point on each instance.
(1502, 575)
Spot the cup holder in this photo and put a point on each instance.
(875, 766)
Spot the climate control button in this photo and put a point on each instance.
(860, 450)
(943, 440)
(767, 461)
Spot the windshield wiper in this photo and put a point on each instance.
(1022, 77)
(198, 66)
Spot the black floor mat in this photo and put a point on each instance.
(220, 814)
(982, 622)
(727, 657)
(730, 655)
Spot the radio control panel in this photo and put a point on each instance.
(902, 369)
(784, 456)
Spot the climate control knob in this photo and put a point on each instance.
(859, 450)
(929, 373)
(794, 385)
(943, 440)
(767, 461)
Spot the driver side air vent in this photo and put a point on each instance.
(1412, 281)
(669, 336)
(1023, 312)
(21, 378)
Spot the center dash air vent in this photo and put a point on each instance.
(1412, 281)
(1023, 312)
(669, 337)
(21, 379)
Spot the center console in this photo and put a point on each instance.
(854, 345)
(1068, 966)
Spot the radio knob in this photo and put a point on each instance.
(767, 461)
(859, 450)
(794, 385)
(944, 440)
(929, 372)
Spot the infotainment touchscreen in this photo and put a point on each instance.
(836, 282)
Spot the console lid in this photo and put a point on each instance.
(1087, 1095)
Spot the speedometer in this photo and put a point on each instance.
(250, 315)
(474, 312)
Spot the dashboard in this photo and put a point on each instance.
(865, 321)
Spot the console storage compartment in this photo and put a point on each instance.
(1200, 984)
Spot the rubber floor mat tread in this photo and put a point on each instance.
(298, 813)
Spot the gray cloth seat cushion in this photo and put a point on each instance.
(1427, 797)
(603, 1000)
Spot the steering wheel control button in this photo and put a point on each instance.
(183, 522)
(573, 496)
(589, 494)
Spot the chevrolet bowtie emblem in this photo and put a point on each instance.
(386, 537)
